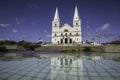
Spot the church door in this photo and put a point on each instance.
(66, 40)
(70, 41)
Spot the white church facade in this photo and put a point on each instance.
(66, 34)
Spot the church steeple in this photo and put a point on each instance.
(76, 14)
(56, 17)
(56, 21)
(76, 19)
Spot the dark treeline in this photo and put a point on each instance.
(27, 45)
(23, 42)
(115, 42)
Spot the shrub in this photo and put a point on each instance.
(3, 49)
(87, 49)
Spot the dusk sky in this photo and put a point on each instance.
(32, 19)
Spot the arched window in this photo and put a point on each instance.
(61, 34)
(70, 34)
(65, 30)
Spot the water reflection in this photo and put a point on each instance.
(37, 66)
(83, 68)
(64, 67)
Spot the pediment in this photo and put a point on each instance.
(66, 26)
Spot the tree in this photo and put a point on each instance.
(115, 42)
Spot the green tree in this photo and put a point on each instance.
(115, 42)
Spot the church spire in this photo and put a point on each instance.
(76, 15)
(56, 17)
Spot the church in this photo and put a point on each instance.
(66, 34)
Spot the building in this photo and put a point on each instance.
(66, 34)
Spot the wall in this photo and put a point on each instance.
(112, 48)
(11, 46)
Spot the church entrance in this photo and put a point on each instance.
(66, 40)
(70, 41)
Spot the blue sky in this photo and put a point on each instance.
(32, 19)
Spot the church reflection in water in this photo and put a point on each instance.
(66, 68)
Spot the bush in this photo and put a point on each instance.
(3, 49)
(87, 49)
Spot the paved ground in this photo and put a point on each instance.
(34, 69)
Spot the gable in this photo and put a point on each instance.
(66, 28)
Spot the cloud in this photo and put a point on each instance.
(18, 22)
(105, 26)
(16, 18)
(3, 39)
(48, 35)
(45, 31)
(14, 30)
(25, 37)
(4, 25)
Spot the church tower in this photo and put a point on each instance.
(77, 24)
(55, 26)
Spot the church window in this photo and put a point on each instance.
(76, 23)
(65, 30)
(55, 24)
(55, 35)
(65, 34)
(70, 34)
(61, 34)
(76, 34)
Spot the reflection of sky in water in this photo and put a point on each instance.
(61, 67)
